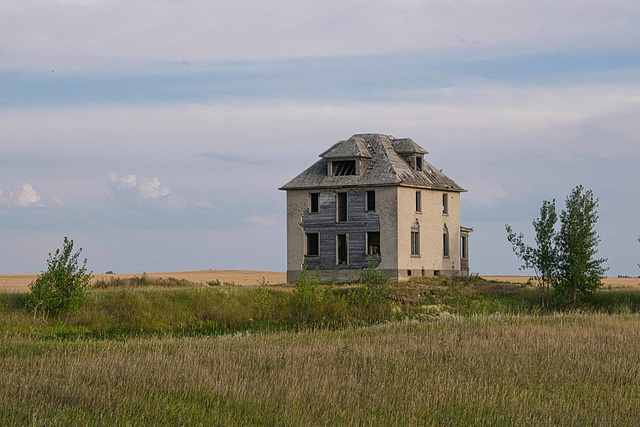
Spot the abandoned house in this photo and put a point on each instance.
(375, 196)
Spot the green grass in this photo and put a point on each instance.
(567, 369)
(195, 311)
(435, 352)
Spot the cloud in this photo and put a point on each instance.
(151, 189)
(237, 158)
(261, 220)
(128, 185)
(25, 197)
(205, 30)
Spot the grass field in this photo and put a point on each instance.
(574, 369)
(438, 352)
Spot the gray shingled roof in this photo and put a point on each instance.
(407, 146)
(383, 166)
(349, 149)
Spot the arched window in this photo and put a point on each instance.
(445, 241)
(415, 239)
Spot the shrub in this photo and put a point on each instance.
(63, 287)
(374, 286)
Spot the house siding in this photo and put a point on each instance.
(300, 221)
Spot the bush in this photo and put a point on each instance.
(63, 287)
(374, 286)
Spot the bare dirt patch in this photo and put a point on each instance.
(20, 282)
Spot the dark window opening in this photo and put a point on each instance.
(415, 243)
(343, 167)
(423, 272)
(313, 244)
(373, 242)
(445, 204)
(436, 272)
(463, 247)
(418, 163)
(342, 258)
(408, 272)
(418, 201)
(445, 244)
(371, 200)
(342, 206)
(314, 205)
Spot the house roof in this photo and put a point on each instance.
(349, 149)
(382, 165)
(408, 146)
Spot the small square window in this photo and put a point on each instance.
(314, 202)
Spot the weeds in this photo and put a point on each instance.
(144, 281)
(568, 369)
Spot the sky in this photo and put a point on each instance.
(155, 134)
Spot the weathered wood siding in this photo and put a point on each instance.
(358, 223)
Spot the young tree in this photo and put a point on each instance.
(543, 258)
(577, 241)
(63, 287)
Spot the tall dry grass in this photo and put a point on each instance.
(568, 369)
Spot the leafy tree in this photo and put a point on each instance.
(63, 287)
(580, 272)
(543, 258)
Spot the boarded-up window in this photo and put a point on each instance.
(343, 167)
(445, 204)
(313, 244)
(415, 243)
(342, 206)
(342, 249)
(373, 242)
(371, 200)
(314, 202)
(418, 201)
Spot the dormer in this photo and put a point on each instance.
(411, 152)
(347, 158)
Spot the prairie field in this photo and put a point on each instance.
(149, 351)
(20, 282)
(614, 282)
(571, 369)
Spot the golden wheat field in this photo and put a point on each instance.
(614, 282)
(20, 282)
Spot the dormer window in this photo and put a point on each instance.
(343, 167)
(419, 163)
